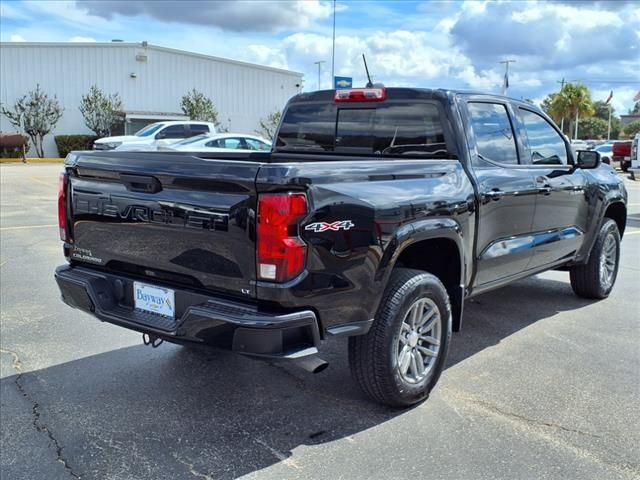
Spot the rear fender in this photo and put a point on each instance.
(419, 231)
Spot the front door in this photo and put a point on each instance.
(507, 192)
(561, 208)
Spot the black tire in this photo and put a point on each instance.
(588, 280)
(374, 357)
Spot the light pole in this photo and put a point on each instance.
(505, 83)
(319, 63)
(333, 45)
(562, 119)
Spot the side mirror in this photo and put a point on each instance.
(160, 135)
(588, 159)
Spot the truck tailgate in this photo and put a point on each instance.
(175, 219)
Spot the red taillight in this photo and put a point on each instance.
(361, 95)
(62, 206)
(281, 252)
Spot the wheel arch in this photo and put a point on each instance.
(617, 211)
(434, 246)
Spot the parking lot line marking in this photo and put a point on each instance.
(49, 184)
(26, 227)
(636, 232)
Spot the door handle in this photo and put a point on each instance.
(494, 194)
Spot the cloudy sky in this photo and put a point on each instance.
(447, 44)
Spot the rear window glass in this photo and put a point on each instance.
(401, 129)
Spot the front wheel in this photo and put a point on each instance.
(400, 359)
(596, 278)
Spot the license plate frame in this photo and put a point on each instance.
(153, 299)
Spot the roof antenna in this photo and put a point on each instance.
(369, 83)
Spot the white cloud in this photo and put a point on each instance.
(264, 55)
(622, 99)
(17, 38)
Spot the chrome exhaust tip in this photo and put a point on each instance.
(312, 364)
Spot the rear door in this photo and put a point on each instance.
(198, 129)
(507, 193)
(560, 218)
(168, 217)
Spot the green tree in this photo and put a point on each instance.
(601, 110)
(632, 128)
(100, 111)
(635, 110)
(616, 128)
(197, 106)
(573, 101)
(555, 105)
(269, 125)
(36, 114)
(592, 128)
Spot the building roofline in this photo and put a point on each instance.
(151, 47)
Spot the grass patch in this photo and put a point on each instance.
(32, 160)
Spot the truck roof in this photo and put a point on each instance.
(403, 93)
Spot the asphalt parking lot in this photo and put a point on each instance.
(539, 384)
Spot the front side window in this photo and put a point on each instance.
(492, 129)
(173, 131)
(230, 143)
(545, 145)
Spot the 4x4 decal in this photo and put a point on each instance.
(335, 226)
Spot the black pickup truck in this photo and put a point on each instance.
(376, 214)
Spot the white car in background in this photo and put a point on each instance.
(606, 152)
(579, 145)
(221, 142)
(154, 135)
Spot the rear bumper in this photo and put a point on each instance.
(199, 318)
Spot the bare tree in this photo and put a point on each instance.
(36, 114)
(100, 111)
(269, 125)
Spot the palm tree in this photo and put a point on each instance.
(573, 101)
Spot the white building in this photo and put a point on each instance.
(150, 80)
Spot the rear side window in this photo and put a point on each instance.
(199, 128)
(257, 144)
(394, 129)
(493, 132)
(545, 145)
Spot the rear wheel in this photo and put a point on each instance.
(596, 278)
(401, 358)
